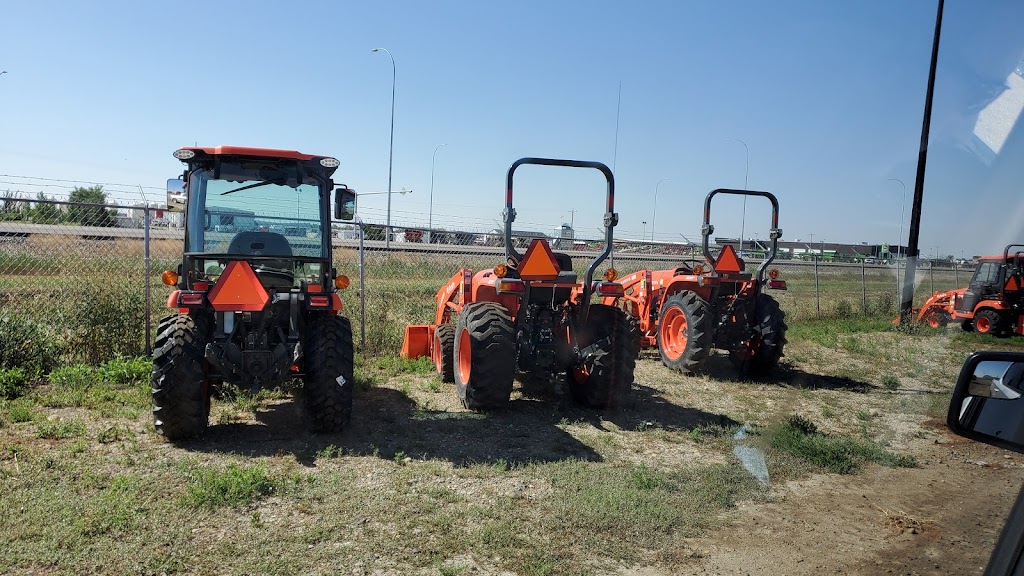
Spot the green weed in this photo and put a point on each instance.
(59, 429)
(232, 486)
(890, 382)
(799, 437)
(13, 382)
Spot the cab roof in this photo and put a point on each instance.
(248, 151)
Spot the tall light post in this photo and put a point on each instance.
(645, 229)
(391, 146)
(430, 212)
(654, 220)
(746, 172)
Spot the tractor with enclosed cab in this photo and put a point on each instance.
(531, 314)
(717, 303)
(992, 302)
(255, 299)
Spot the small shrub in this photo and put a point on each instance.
(114, 433)
(19, 412)
(844, 309)
(839, 454)
(13, 382)
(27, 344)
(884, 303)
(330, 451)
(108, 323)
(74, 377)
(123, 371)
(233, 486)
(890, 382)
(60, 429)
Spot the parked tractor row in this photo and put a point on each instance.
(254, 307)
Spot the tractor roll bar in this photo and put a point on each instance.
(610, 217)
(1006, 251)
(775, 232)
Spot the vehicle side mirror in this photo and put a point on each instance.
(988, 400)
(345, 204)
(176, 195)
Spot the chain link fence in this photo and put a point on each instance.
(90, 274)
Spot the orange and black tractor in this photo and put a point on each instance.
(255, 298)
(992, 303)
(534, 315)
(688, 310)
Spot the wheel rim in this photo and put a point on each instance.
(933, 321)
(982, 324)
(674, 331)
(465, 356)
(435, 353)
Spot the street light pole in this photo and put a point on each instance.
(645, 229)
(746, 172)
(654, 220)
(430, 212)
(391, 146)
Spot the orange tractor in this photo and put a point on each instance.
(533, 315)
(255, 299)
(992, 303)
(685, 311)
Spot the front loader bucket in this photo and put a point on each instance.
(418, 338)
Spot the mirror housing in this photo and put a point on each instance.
(176, 195)
(345, 204)
(988, 400)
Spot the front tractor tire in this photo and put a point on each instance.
(769, 337)
(606, 372)
(329, 382)
(484, 356)
(180, 394)
(442, 352)
(684, 332)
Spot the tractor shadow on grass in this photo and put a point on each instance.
(386, 423)
(787, 375)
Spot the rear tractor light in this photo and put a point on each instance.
(510, 286)
(319, 301)
(190, 299)
(777, 284)
(609, 289)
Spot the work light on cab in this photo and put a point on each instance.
(184, 154)
(330, 162)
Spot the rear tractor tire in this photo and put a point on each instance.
(329, 382)
(180, 392)
(442, 352)
(770, 333)
(605, 375)
(684, 334)
(988, 322)
(484, 356)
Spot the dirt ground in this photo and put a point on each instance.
(941, 518)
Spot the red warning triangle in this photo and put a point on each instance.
(1012, 284)
(238, 290)
(728, 261)
(538, 262)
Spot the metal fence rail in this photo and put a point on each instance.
(91, 273)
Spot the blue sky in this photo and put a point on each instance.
(828, 96)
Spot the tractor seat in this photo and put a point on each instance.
(565, 264)
(266, 244)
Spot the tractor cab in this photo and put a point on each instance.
(996, 278)
(255, 297)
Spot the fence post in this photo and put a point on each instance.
(899, 292)
(362, 289)
(931, 276)
(147, 262)
(956, 275)
(864, 285)
(817, 291)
